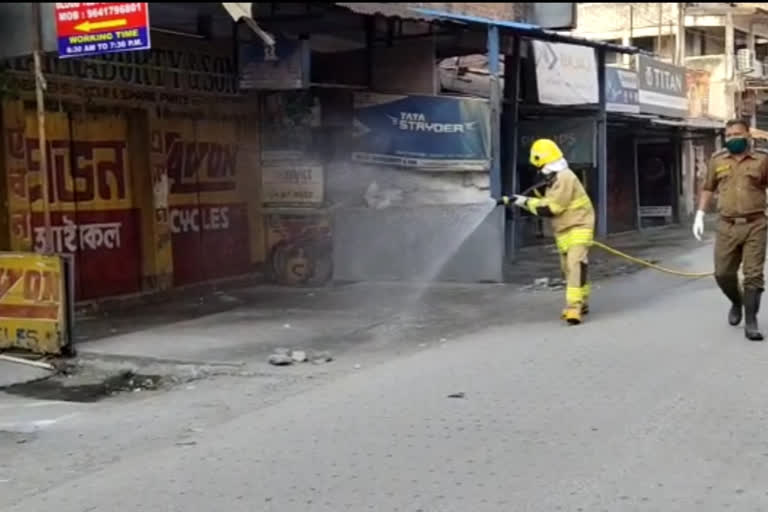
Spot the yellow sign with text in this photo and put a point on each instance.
(32, 303)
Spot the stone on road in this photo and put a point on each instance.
(654, 404)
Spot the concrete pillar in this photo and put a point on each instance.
(730, 48)
(156, 226)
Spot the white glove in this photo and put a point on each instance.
(519, 200)
(698, 225)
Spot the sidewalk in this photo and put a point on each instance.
(240, 327)
(249, 321)
(655, 244)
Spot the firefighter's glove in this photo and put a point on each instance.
(519, 200)
(514, 200)
(698, 225)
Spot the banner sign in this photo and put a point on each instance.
(575, 137)
(621, 94)
(662, 86)
(32, 303)
(87, 29)
(566, 74)
(431, 133)
(291, 182)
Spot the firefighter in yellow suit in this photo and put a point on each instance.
(573, 222)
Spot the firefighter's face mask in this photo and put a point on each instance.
(554, 167)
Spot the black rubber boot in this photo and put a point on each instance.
(751, 308)
(734, 315)
(730, 287)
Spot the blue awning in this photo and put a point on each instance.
(525, 29)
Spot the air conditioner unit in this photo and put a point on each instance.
(759, 71)
(745, 60)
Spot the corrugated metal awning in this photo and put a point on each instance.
(693, 122)
(525, 29)
(387, 10)
(700, 123)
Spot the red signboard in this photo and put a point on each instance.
(101, 27)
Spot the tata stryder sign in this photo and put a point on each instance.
(434, 133)
(95, 28)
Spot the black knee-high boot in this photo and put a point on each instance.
(730, 287)
(751, 308)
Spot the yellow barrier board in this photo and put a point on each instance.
(32, 303)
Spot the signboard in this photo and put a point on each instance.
(287, 69)
(621, 94)
(32, 303)
(662, 86)
(86, 29)
(175, 71)
(575, 137)
(431, 133)
(566, 74)
(655, 211)
(292, 182)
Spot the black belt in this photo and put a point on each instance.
(743, 219)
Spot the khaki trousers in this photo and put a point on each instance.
(741, 244)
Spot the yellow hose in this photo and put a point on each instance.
(648, 264)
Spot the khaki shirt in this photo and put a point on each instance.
(569, 202)
(740, 182)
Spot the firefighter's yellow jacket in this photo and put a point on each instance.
(566, 202)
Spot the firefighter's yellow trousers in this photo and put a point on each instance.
(574, 263)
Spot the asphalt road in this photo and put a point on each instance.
(654, 404)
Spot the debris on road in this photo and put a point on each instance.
(280, 360)
(299, 356)
(546, 283)
(321, 357)
(287, 357)
(458, 395)
(19, 360)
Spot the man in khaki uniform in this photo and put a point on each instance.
(573, 222)
(740, 176)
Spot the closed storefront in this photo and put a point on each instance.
(208, 200)
(657, 171)
(90, 192)
(154, 178)
(622, 204)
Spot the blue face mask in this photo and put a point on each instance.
(736, 146)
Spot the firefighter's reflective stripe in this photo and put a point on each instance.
(575, 236)
(574, 296)
(535, 202)
(581, 202)
(586, 290)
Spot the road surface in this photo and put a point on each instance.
(654, 404)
